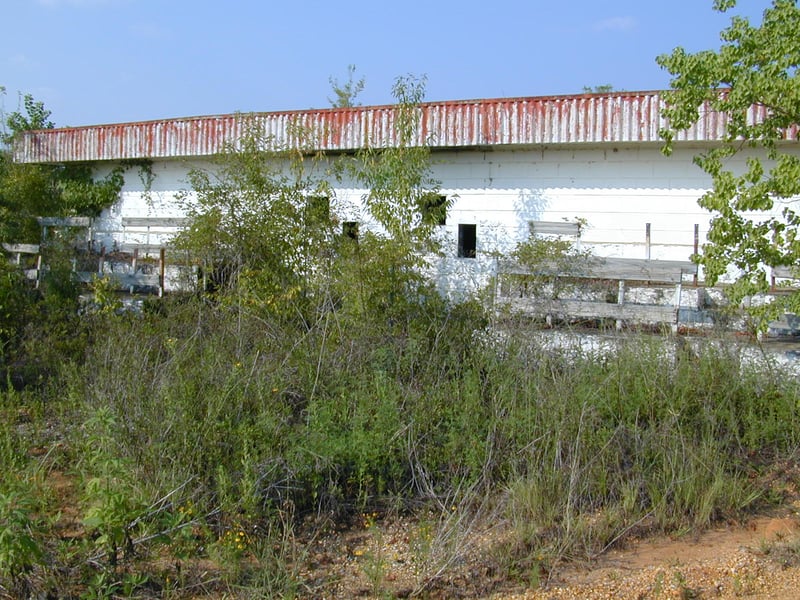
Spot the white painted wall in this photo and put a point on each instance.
(616, 191)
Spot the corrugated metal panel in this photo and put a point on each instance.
(611, 118)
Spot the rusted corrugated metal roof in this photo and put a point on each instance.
(578, 119)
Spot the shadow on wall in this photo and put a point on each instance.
(529, 206)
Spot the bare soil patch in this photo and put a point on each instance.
(758, 559)
(389, 556)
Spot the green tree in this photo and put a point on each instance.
(398, 177)
(36, 116)
(346, 93)
(31, 190)
(403, 199)
(40, 330)
(260, 220)
(754, 224)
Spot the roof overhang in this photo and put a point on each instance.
(614, 118)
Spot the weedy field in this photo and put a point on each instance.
(201, 449)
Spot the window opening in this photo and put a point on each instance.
(318, 210)
(350, 230)
(434, 209)
(467, 240)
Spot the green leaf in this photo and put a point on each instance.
(756, 66)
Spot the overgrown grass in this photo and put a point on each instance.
(203, 430)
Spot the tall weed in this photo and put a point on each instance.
(248, 416)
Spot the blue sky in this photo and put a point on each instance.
(107, 61)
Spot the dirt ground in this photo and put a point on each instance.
(377, 556)
(759, 559)
(756, 558)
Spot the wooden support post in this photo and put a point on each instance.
(677, 305)
(38, 270)
(620, 301)
(647, 241)
(134, 265)
(162, 269)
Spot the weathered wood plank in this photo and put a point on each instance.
(786, 272)
(22, 248)
(122, 280)
(621, 270)
(155, 222)
(587, 309)
(64, 221)
(130, 248)
(626, 269)
(555, 228)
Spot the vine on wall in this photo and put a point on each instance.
(28, 191)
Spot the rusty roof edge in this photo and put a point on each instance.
(607, 118)
(358, 109)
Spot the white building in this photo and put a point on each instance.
(593, 158)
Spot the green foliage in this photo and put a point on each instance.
(549, 254)
(398, 178)
(247, 422)
(545, 261)
(754, 218)
(261, 223)
(31, 190)
(40, 329)
(16, 309)
(598, 89)
(112, 497)
(643, 442)
(20, 549)
(384, 274)
(105, 297)
(245, 426)
(35, 116)
(346, 93)
(331, 417)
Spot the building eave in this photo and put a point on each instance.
(613, 118)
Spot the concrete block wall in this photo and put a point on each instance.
(615, 191)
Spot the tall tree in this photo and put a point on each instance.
(402, 197)
(260, 221)
(265, 216)
(755, 218)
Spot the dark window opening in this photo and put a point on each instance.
(434, 209)
(467, 240)
(350, 230)
(317, 210)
